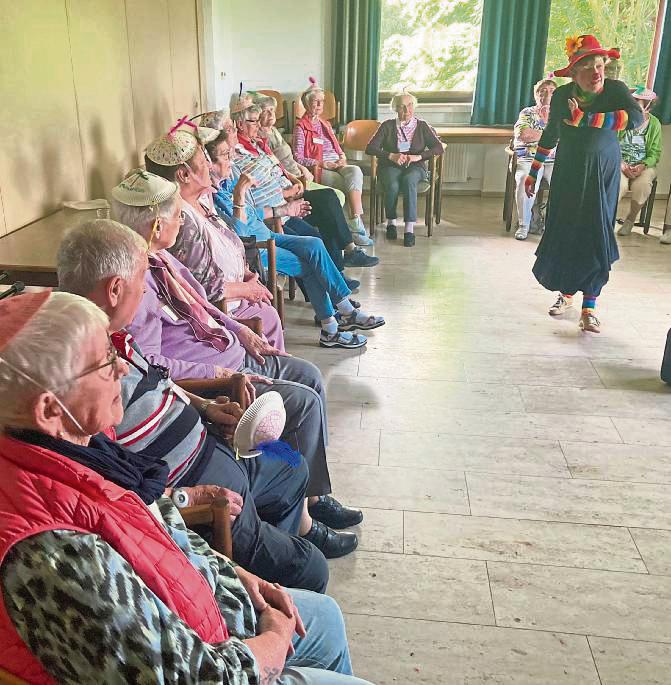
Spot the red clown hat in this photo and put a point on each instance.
(579, 47)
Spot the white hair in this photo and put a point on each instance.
(215, 119)
(242, 114)
(97, 250)
(265, 101)
(141, 219)
(397, 97)
(48, 350)
(310, 94)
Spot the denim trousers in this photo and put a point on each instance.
(398, 180)
(322, 656)
(306, 258)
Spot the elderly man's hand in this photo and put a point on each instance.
(530, 186)
(224, 414)
(331, 166)
(637, 170)
(257, 346)
(299, 208)
(206, 494)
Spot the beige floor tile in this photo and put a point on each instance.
(570, 500)
(596, 402)
(493, 423)
(530, 370)
(354, 446)
(473, 453)
(434, 589)
(381, 531)
(529, 542)
(631, 374)
(644, 431)
(426, 366)
(602, 603)
(343, 417)
(655, 548)
(391, 651)
(628, 662)
(400, 488)
(618, 462)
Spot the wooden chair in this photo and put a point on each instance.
(646, 210)
(509, 203)
(331, 110)
(281, 111)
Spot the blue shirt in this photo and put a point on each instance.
(223, 200)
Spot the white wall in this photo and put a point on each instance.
(273, 44)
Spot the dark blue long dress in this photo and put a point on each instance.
(578, 246)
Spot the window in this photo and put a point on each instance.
(625, 24)
(430, 45)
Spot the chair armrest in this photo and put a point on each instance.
(254, 323)
(217, 515)
(233, 387)
(222, 305)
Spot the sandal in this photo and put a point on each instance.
(348, 341)
(350, 323)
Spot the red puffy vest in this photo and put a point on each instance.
(42, 491)
(312, 150)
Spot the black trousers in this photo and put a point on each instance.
(265, 534)
(328, 218)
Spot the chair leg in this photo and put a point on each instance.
(279, 303)
(292, 288)
(648, 206)
(438, 196)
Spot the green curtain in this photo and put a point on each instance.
(356, 57)
(512, 54)
(663, 75)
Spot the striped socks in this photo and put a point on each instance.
(588, 303)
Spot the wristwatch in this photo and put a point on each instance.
(180, 498)
(204, 406)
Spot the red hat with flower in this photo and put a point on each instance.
(579, 47)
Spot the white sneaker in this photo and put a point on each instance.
(561, 305)
(666, 238)
(589, 323)
(356, 225)
(361, 239)
(521, 233)
(626, 227)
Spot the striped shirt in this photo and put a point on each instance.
(405, 132)
(329, 153)
(158, 418)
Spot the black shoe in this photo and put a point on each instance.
(352, 283)
(331, 544)
(408, 240)
(358, 257)
(391, 232)
(335, 515)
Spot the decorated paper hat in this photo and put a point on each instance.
(214, 119)
(643, 93)
(143, 189)
(16, 312)
(206, 135)
(262, 422)
(579, 47)
(173, 148)
(313, 87)
(239, 103)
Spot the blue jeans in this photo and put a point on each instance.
(322, 657)
(306, 258)
(396, 180)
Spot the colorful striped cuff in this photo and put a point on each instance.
(577, 117)
(613, 121)
(540, 157)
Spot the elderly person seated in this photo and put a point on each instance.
(403, 145)
(317, 148)
(189, 432)
(178, 329)
(303, 257)
(251, 150)
(641, 149)
(528, 131)
(281, 149)
(101, 581)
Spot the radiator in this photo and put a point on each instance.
(456, 164)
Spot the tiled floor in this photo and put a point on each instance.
(515, 473)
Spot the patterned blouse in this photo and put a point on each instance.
(529, 118)
(89, 618)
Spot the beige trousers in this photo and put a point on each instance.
(640, 187)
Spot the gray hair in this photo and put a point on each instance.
(141, 219)
(97, 250)
(265, 101)
(240, 116)
(48, 350)
(215, 119)
(310, 94)
(544, 82)
(397, 97)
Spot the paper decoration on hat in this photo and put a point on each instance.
(643, 93)
(143, 189)
(16, 312)
(173, 148)
(314, 86)
(240, 103)
(259, 429)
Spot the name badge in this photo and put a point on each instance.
(318, 141)
(404, 146)
(170, 312)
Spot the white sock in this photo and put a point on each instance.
(345, 307)
(409, 226)
(330, 325)
(391, 222)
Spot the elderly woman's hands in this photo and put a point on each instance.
(398, 158)
(306, 173)
(299, 208)
(224, 414)
(257, 346)
(256, 292)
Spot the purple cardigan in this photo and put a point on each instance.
(425, 142)
(169, 340)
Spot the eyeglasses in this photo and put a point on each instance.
(111, 363)
(225, 155)
(252, 121)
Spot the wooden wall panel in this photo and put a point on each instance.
(41, 162)
(151, 68)
(184, 58)
(103, 87)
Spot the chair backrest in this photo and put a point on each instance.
(279, 110)
(358, 132)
